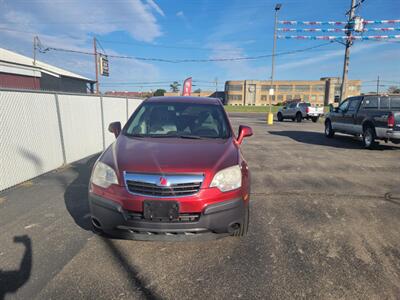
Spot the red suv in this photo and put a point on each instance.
(175, 170)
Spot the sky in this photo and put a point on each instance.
(195, 29)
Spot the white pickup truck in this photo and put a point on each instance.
(299, 111)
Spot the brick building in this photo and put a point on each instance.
(256, 92)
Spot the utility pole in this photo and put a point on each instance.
(216, 86)
(377, 86)
(96, 64)
(34, 49)
(349, 42)
(270, 118)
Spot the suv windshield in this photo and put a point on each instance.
(184, 120)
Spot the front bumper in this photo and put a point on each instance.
(218, 218)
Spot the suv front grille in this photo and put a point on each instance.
(160, 185)
(181, 189)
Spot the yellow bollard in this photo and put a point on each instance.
(270, 118)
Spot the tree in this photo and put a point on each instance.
(394, 90)
(159, 92)
(197, 91)
(175, 86)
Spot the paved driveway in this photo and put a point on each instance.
(321, 227)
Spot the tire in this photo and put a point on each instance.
(299, 117)
(315, 119)
(242, 231)
(369, 137)
(329, 132)
(293, 119)
(280, 117)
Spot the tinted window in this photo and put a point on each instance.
(293, 105)
(370, 103)
(156, 119)
(343, 106)
(304, 105)
(395, 102)
(353, 105)
(384, 103)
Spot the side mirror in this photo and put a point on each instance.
(244, 131)
(115, 127)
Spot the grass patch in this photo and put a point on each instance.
(259, 109)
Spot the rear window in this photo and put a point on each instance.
(370, 103)
(305, 104)
(395, 102)
(384, 103)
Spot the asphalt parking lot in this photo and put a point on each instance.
(325, 219)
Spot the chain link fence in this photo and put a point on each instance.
(41, 131)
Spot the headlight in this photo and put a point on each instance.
(103, 175)
(228, 179)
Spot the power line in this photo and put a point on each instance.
(191, 60)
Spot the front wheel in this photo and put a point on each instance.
(280, 117)
(329, 133)
(369, 137)
(315, 119)
(244, 227)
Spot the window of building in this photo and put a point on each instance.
(234, 87)
(285, 88)
(313, 98)
(320, 98)
(288, 97)
(263, 98)
(318, 88)
(302, 88)
(353, 88)
(267, 87)
(234, 97)
(306, 98)
(272, 98)
(296, 97)
(280, 98)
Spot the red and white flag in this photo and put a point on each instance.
(187, 87)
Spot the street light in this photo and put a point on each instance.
(271, 90)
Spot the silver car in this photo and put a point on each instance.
(299, 111)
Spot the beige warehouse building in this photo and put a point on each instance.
(318, 92)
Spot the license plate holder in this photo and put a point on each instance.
(160, 210)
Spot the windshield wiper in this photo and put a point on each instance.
(194, 137)
(135, 135)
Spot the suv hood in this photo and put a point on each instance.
(170, 155)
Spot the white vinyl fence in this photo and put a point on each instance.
(42, 131)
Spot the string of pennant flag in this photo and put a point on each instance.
(336, 22)
(309, 37)
(352, 26)
(334, 29)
